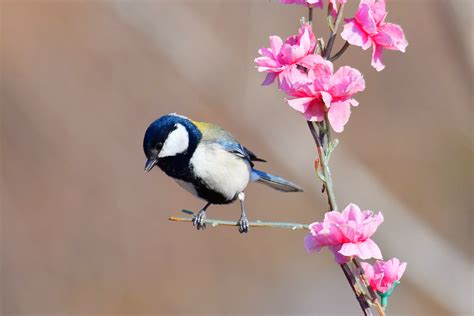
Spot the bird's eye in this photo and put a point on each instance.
(159, 145)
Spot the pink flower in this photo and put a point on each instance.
(314, 3)
(383, 274)
(280, 55)
(368, 27)
(318, 90)
(346, 234)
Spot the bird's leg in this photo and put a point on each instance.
(200, 218)
(243, 221)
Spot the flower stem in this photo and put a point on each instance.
(359, 295)
(372, 293)
(332, 35)
(340, 52)
(324, 166)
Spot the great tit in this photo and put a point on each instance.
(207, 161)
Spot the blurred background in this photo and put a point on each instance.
(84, 229)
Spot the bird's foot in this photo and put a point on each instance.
(243, 224)
(199, 220)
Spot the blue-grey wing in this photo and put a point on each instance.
(235, 148)
(214, 134)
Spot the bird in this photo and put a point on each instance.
(208, 162)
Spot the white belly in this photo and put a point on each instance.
(222, 171)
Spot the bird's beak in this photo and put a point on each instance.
(150, 163)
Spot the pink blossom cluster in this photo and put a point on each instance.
(368, 28)
(319, 91)
(346, 234)
(383, 275)
(314, 89)
(277, 58)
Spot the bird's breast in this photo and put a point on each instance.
(220, 170)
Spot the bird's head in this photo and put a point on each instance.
(169, 136)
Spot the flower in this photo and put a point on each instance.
(368, 27)
(346, 234)
(280, 55)
(383, 274)
(318, 90)
(313, 3)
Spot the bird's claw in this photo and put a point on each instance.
(243, 224)
(199, 220)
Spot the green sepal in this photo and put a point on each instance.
(384, 296)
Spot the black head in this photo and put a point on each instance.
(169, 136)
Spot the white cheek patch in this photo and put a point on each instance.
(176, 143)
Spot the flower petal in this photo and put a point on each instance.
(270, 78)
(334, 217)
(377, 58)
(364, 250)
(267, 64)
(365, 19)
(295, 82)
(346, 82)
(339, 114)
(394, 32)
(300, 104)
(327, 98)
(340, 259)
(355, 35)
(315, 111)
(317, 64)
(352, 213)
(378, 10)
(275, 43)
(368, 270)
(310, 244)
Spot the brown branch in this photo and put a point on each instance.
(332, 35)
(359, 295)
(362, 277)
(340, 52)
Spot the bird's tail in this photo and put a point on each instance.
(274, 182)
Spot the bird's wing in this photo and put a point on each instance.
(215, 134)
(253, 156)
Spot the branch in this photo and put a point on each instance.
(258, 223)
(359, 295)
(333, 28)
(340, 52)
(373, 296)
(324, 165)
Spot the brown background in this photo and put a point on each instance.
(84, 229)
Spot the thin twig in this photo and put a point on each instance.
(324, 167)
(332, 35)
(362, 277)
(340, 52)
(218, 222)
(359, 296)
(310, 15)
